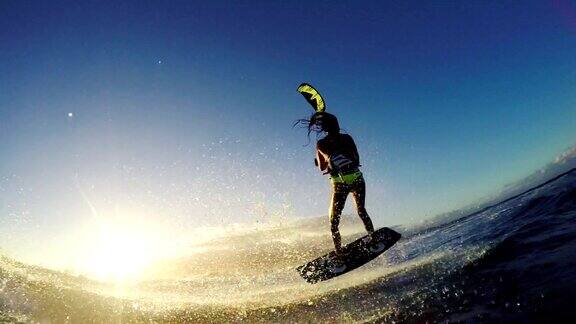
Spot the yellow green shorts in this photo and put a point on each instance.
(346, 178)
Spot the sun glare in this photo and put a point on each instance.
(118, 254)
(123, 247)
(121, 252)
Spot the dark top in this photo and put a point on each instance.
(337, 154)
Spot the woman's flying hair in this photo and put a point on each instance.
(319, 122)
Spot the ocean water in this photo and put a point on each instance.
(513, 261)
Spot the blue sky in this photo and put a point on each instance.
(180, 112)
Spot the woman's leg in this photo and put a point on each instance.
(359, 194)
(339, 194)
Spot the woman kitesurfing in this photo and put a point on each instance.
(337, 156)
